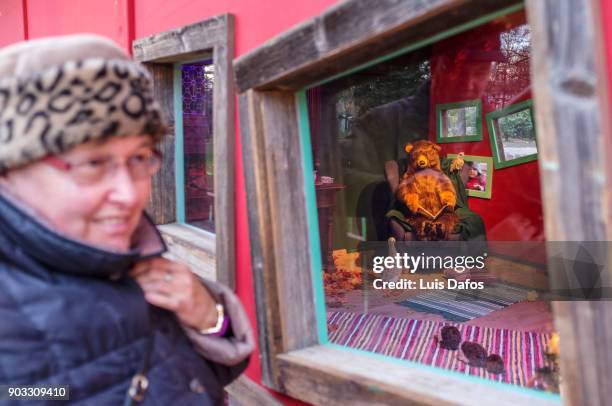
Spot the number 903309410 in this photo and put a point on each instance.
(34, 392)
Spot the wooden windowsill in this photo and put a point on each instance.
(194, 247)
(244, 392)
(361, 378)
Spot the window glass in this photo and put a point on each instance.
(515, 135)
(407, 157)
(197, 81)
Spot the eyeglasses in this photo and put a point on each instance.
(140, 166)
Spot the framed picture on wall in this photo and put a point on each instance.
(459, 121)
(513, 135)
(479, 170)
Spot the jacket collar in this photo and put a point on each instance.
(26, 240)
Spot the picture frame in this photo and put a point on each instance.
(459, 121)
(515, 119)
(485, 169)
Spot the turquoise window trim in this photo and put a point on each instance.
(179, 156)
(311, 207)
(312, 216)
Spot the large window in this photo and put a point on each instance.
(438, 311)
(326, 112)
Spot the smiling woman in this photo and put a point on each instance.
(95, 192)
(77, 153)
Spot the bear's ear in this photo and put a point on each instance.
(437, 147)
(408, 147)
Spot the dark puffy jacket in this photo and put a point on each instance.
(69, 315)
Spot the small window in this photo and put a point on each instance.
(193, 194)
(195, 100)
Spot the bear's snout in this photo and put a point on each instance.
(422, 161)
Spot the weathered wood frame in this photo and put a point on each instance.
(245, 392)
(570, 87)
(211, 255)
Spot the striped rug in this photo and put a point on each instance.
(464, 305)
(413, 340)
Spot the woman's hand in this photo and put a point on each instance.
(172, 286)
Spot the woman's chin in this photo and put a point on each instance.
(115, 237)
(112, 243)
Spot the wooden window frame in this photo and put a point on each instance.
(570, 84)
(210, 255)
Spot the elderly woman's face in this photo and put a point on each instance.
(104, 213)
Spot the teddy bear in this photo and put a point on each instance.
(428, 193)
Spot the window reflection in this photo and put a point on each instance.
(517, 135)
(197, 89)
(360, 127)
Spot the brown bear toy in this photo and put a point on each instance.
(428, 193)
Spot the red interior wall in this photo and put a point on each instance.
(514, 211)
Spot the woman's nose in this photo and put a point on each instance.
(123, 187)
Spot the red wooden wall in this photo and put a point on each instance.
(13, 25)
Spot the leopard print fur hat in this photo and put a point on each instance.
(59, 92)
